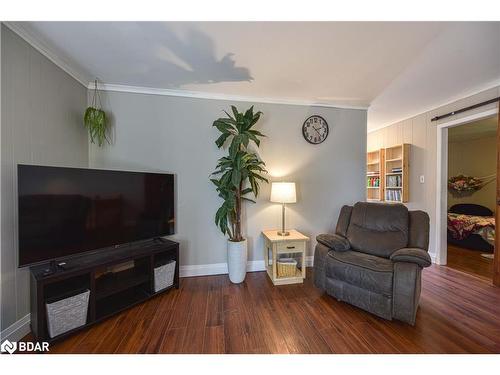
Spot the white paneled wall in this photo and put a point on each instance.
(421, 133)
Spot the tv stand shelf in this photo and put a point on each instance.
(110, 292)
(107, 285)
(120, 301)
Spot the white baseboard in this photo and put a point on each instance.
(217, 269)
(221, 268)
(18, 330)
(256, 265)
(203, 270)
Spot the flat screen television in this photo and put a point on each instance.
(67, 211)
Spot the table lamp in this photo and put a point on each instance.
(283, 192)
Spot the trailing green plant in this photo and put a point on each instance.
(95, 120)
(240, 172)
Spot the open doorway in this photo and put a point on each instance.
(471, 196)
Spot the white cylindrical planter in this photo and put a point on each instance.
(237, 260)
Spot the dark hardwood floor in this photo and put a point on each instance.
(470, 261)
(459, 313)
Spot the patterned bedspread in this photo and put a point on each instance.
(462, 226)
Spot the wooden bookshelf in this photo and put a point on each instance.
(396, 173)
(375, 175)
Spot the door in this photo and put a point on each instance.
(496, 259)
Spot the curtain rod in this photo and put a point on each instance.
(466, 109)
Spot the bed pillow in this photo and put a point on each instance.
(471, 209)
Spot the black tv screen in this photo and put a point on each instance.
(66, 211)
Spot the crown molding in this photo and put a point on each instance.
(215, 96)
(41, 47)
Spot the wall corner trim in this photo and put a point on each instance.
(37, 44)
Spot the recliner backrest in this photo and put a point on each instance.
(343, 221)
(418, 235)
(378, 228)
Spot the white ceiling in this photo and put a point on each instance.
(398, 68)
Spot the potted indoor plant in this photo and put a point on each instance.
(237, 175)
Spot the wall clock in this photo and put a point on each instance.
(315, 129)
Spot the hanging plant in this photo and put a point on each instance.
(95, 119)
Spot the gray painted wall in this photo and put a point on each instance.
(175, 134)
(42, 108)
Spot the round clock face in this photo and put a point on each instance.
(315, 129)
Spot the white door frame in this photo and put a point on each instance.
(441, 244)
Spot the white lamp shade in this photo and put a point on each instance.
(283, 192)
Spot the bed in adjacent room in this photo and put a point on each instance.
(471, 226)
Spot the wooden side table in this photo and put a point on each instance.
(275, 245)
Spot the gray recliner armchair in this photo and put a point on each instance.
(375, 258)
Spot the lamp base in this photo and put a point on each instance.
(283, 233)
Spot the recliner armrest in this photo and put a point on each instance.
(334, 241)
(412, 255)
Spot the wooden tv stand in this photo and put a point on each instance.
(110, 293)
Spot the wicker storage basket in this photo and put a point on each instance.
(287, 267)
(67, 314)
(164, 276)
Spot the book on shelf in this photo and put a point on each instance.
(393, 195)
(373, 182)
(394, 181)
(397, 170)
